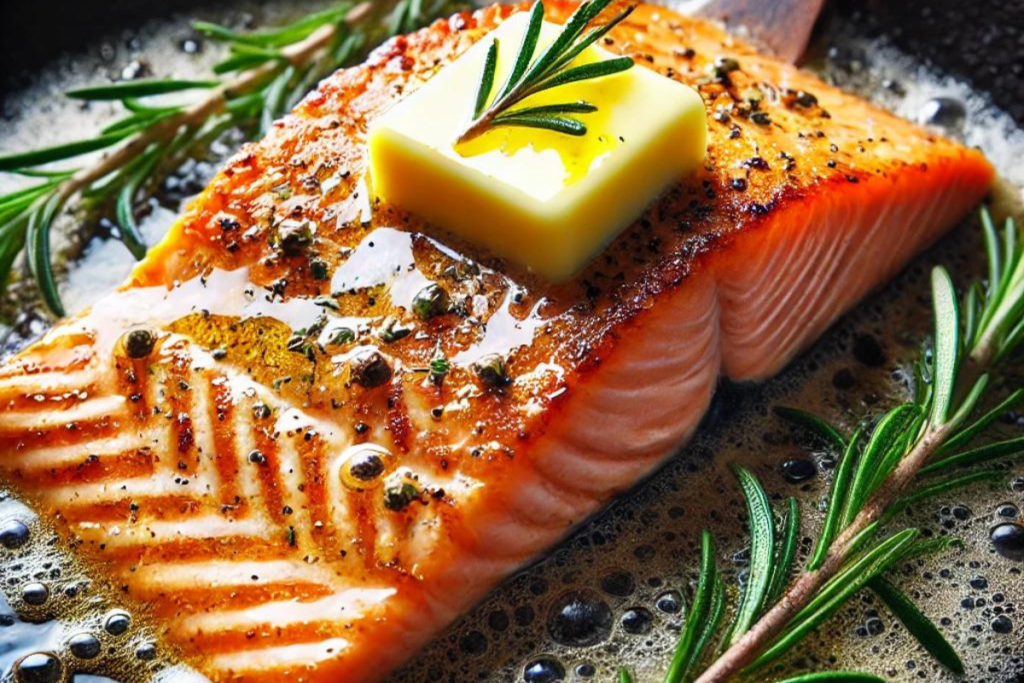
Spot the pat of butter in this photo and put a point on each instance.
(543, 199)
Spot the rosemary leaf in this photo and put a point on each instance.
(300, 29)
(901, 442)
(218, 32)
(558, 124)
(567, 108)
(917, 624)
(274, 99)
(591, 37)
(584, 72)
(947, 344)
(575, 25)
(624, 675)
(240, 62)
(711, 622)
(526, 49)
(946, 485)
(884, 439)
(1014, 339)
(38, 239)
(837, 500)
(992, 451)
(20, 199)
(11, 162)
(487, 80)
(783, 565)
(686, 652)
(835, 677)
(552, 68)
(837, 591)
(119, 91)
(992, 250)
(930, 546)
(762, 553)
(814, 424)
(41, 173)
(125, 208)
(11, 246)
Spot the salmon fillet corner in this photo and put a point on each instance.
(247, 436)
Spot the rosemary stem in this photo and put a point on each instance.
(807, 585)
(298, 54)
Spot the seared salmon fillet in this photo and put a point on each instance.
(277, 442)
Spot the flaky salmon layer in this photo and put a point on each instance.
(195, 435)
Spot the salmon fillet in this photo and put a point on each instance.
(246, 437)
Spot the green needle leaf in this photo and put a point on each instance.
(218, 32)
(125, 208)
(919, 626)
(992, 250)
(993, 451)
(38, 239)
(814, 424)
(526, 48)
(624, 675)
(567, 108)
(119, 91)
(783, 565)
(836, 592)
(47, 155)
(584, 72)
(714, 617)
(762, 553)
(487, 80)
(946, 485)
(591, 37)
(885, 438)
(551, 69)
(947, 344)
(686, 651)
(575, 25)
(556, 123)
(837, 500)
(835, 677)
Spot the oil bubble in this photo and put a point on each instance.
(669, 602)
(35, 593)
(118, 623)
(636, 621)
(618, 583)
(580, 618)
(544, 670)
(40, 667)
(13, 534)
(798, 470)
(146, 652)
(1008, 540)
(84, 646)
(948, 113)
(473, 644)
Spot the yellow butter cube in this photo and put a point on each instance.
(546, 200)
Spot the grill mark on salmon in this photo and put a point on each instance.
(269, 567)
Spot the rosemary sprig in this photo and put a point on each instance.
(550, 69)
(908, 455)
(265, 73)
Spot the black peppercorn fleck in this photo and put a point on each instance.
(491, 370)
(139, 343)
(370, 369)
